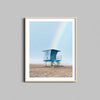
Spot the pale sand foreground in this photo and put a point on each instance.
(40, 70)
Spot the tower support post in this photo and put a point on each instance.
(52, 63)
(45, 63)
(58, 63)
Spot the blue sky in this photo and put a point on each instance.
(42, 36)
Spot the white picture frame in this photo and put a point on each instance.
(29, 20)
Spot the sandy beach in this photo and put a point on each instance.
(40, 70)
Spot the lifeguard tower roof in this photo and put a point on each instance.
(51, 50)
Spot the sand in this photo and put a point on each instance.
(40, 70)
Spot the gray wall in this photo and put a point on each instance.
(12, 86)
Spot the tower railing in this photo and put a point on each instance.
(58, 57)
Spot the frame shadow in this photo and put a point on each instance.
(23, 26)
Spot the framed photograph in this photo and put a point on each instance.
(50, 49)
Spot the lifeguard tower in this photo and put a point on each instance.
(51, 55)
